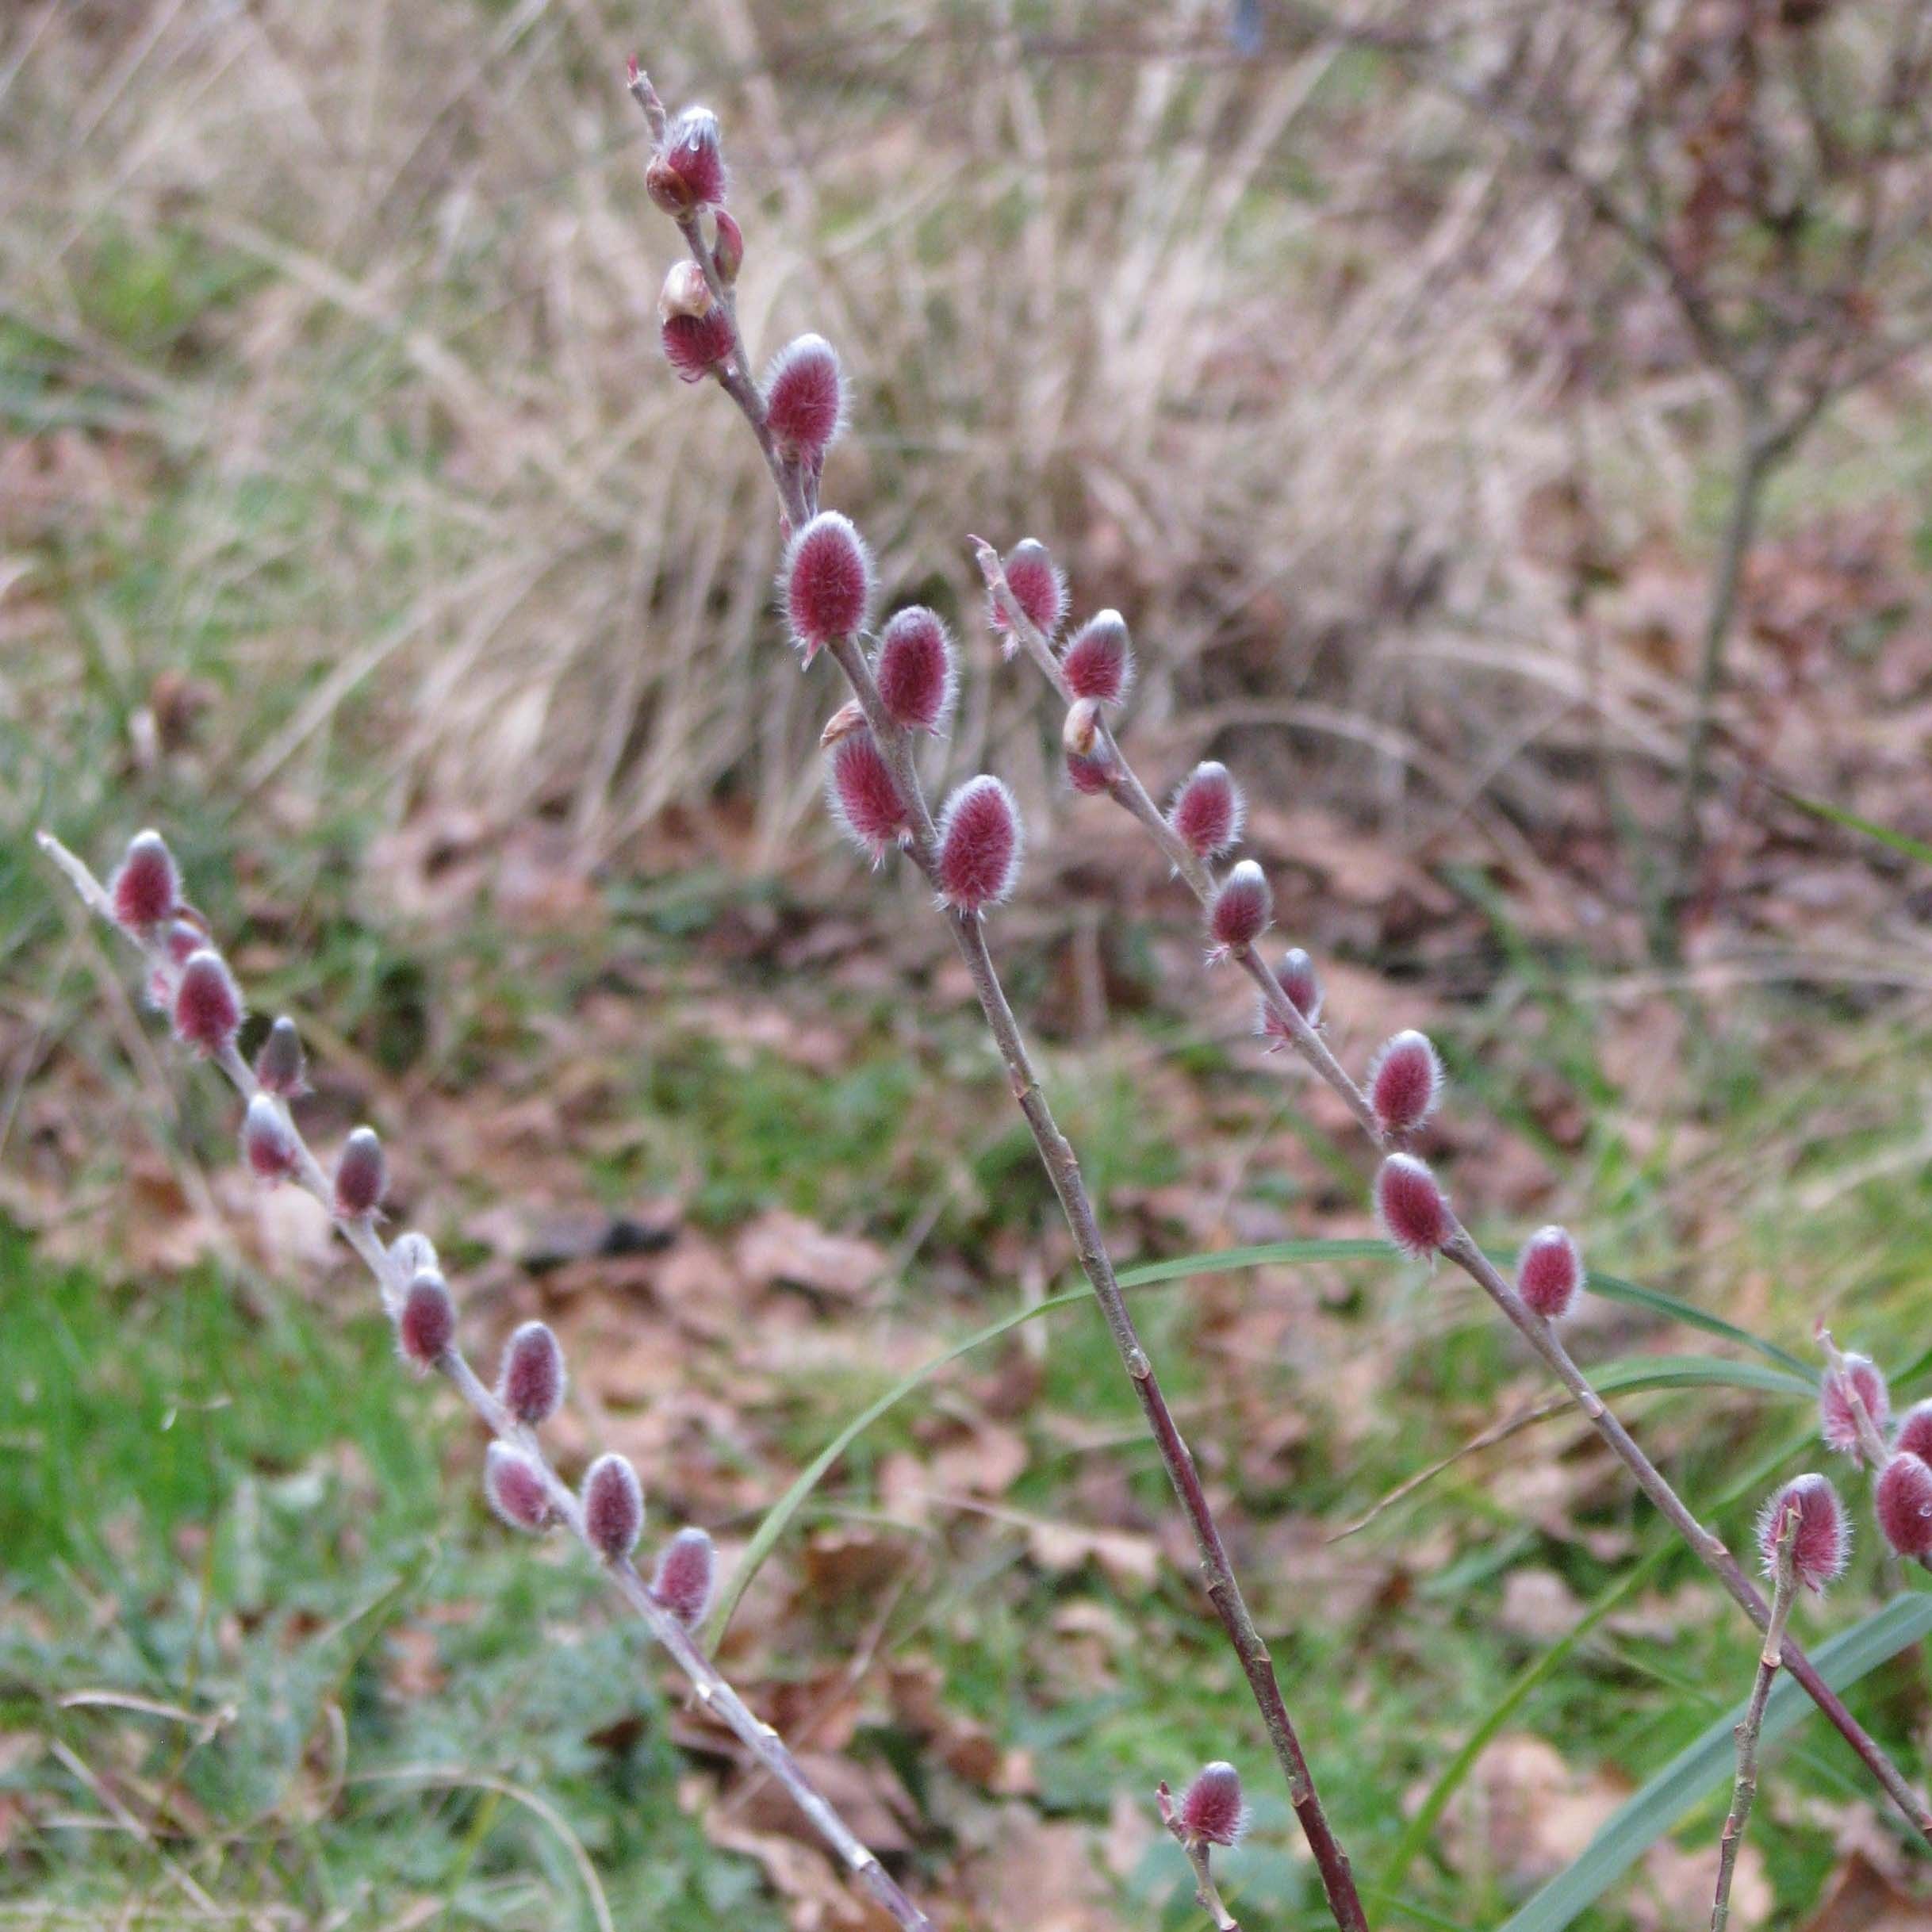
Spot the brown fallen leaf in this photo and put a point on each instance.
(783, 1249)
(1863, 1898)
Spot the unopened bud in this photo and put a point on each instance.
(1858, 1375)
(862, 795)
(1295, 978)
(1414, 1212)
(362, 1175)
(1915, 1436)
(1037, 585)
(426, 1323)
(1099, 662)
(728, 249)
(689, 172)
(530, 1382)
(685, 293)
(1404, 1081)
(1212, 1810)
(516, 1488)
(613, 1507)
(1902, 1500)
(686, 1574)
(281, 1067)
(1821, 1544)
(1081, 730)
(1241, 909)
(208, 1006)
(146, 888)
(805, 398)
(848, 717)
(1208, 810)
(828, 580)
(916, 677)
(979, 856)
(1550, 1272)
(268, 1141)
(411, 1253)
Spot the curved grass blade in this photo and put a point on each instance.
(1836, 815)
(1707, 1763)
(1698, 1371)
(1614, 1288)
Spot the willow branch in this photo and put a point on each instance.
(707, 1685)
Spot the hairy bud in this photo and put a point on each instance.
(1914, 1436)
(1242, 908)
(516, 1488)
(530, 1382)
(1099, 662)
(1089, 768)
(1821, 1545)
(1902, 1500)
(281, 1067)
(1404, 1081)
(208, 1005)
(728, 249)
(805, 398)
(1038, 588)
(185, 937)
(613, 1507)
(1413, 1209)
(412, 1254)
(916, 677)
(828, 579)
(146, 888)
(978, 856)
(426, 1322)
(1207, 811)
(686, 1572)
(1295, 978)
(1854, 1374)
(362, 1174)
(863, 799)
(268, 1141)
(1212, 1810)
(689, 172)
(1550, 1272)
(697, 345)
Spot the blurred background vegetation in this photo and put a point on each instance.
(1504, 429)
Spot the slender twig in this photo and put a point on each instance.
(707, 1684)
(797, 488)
(1783, 1587)
(1127, 791)
(1200, 1857)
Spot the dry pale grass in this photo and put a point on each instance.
(1276, 353)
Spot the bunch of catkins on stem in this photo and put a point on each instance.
(903, 680)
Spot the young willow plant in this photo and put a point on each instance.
(970, 851)
(189, 980)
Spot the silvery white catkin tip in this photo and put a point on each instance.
(978, 862)
(281, 1067)
(1902, 1501)
(1212, 1810)
(146, 887)
(362, 1174)
(1241, 909)
(916, 674)
(426, 1323)
(1550, 1272)
(412, 1253)
(530, 1382)
(1821, 1543)
(828, 582)
(863, 798)
(1207, 811)
(685, 1577)
(268, 1142)
(515, 1487)
(1415, 1214)
(1099, 661)
(208, 1006)
(1836, 1420)
(1038, 587)
(805, 398)
(613, 1507)
(1404, 1081)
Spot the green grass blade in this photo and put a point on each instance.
(1226, 1261)
(1614, 1288)
(1697, 1371)
(1837, 814)
(1710, 1762)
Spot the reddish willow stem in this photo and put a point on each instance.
(710, 1687)
(1126, 788)
(798, 492)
